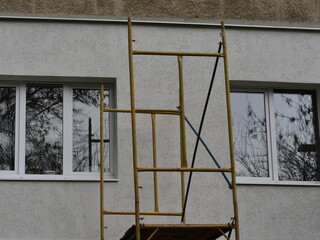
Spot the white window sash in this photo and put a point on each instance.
(272, 130)
(22, 128)
(68, 174)
(273, 178)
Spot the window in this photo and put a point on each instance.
(51, 131)
(276, 136)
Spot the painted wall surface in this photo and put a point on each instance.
(273, 10)
(70, 210)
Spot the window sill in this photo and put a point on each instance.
(58, 178)
(269, 182)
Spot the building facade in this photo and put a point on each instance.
(54, 55)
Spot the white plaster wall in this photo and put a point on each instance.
(70, 210)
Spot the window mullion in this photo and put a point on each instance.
(17, 133)
(269, 137)
(67, 130)
(112, 134)
(274, 166)
(22, 128)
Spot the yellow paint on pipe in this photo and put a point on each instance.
(134, 133)
(222, 226)
(154, 233)
(195, 54)
(223, 234)
(155, 174)
(143, 213)
(231, 147)
(146, 111)
(116, 110)
(146, 169)
(101, 163)
(183, 151)
(159, 111)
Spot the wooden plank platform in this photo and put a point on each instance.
(178, 232)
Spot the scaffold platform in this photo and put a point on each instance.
(178, 231)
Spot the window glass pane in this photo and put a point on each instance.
(296, 136)
(86, 130)
(250, 134)
(7, 127)
(44, 108)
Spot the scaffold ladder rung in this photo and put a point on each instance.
(144, 213)
(190, 54)
(146, 111)
(141, 169)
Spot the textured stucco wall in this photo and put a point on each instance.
(69, 210)
(266, 10)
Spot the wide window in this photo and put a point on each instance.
(276, 136)
(51, 131)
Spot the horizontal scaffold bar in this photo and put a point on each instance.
(144, 213)
(146, 111)
(145, 169)
(195, 54)
(159, 111)
(116, 110)
(222, 226)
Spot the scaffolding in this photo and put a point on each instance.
(170, 231)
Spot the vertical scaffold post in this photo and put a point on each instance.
(134, 132)
(155, 174)
(231, 147)
(101, 163)
(183, 151)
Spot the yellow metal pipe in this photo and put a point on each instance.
(183, 151)
(231, 147)
(146, 111)
(134, 132)
(155, 174)
(116, 110)
(144, 213)
(195, 54)
(159, 111)
(154, 232)
(224, 234)
(146, 169)
(101, 163)
(182, 114)
(222, 226)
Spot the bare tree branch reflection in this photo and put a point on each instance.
(250, 136)
(296, 137)
(86, 105)
(7, 127)
(44, 116)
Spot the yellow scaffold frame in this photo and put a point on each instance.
(183, 156)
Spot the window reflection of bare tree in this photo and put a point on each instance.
(7, 127)
(44, 116)
(297, 137)
(86, 149)
(250, 138)
(44, 129)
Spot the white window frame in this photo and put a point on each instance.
(68, 175)
(273, 178)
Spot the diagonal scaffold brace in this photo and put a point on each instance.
(209, 152)
(200, 130)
